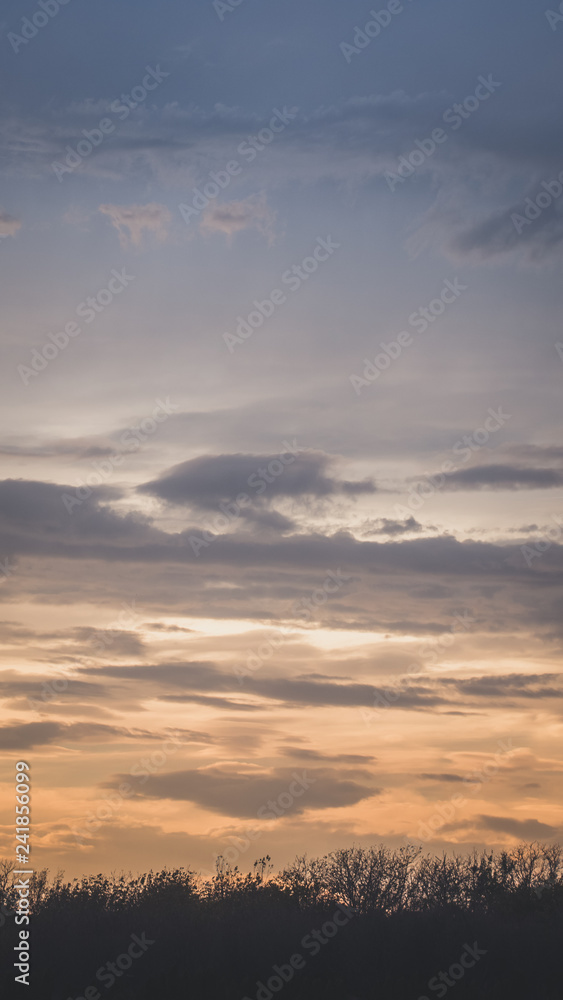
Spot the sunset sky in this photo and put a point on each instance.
(287, 253)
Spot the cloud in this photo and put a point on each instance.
(523, 829)
(243, 794)
(507, 686)
(350, 142)
(209, 480)
(203, 682)
(189, 681)
(132, 220)
(160, 627)
(35, 510)
(79, 448)
(497, 235)
(34, 521)
(235, 216)
(387, 526)
(251, 575)
(535, 453)
(112, 642)
(446, 778)
(13, 685)
(504, 477)
(8, 224)
(267, 520)
(299, 753)
(25, 736)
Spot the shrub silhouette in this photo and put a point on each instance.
(409, 917)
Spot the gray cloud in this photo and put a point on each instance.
(25, 736)
(79, 448)
(439, 574)
(111, 642)
(242, 795)
(204, 683)
(504, 477)
(13, 685)
(267, 520)
(497, 235)
(207, 481)
(387, 526)
(355, 138)
(525, 829)
(446, 778)
(191, 679)
(300, 753)
(505, 686)
(32, 514)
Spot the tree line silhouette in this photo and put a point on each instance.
(408, 918)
